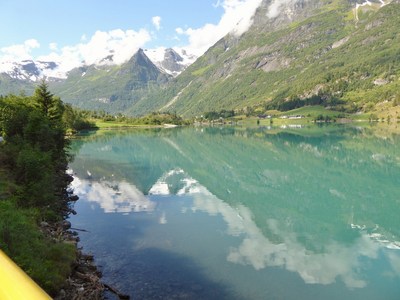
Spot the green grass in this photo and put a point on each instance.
(4, 185)
(112, 124)
(115, 124)
(46, 261)
(311, 111)
(201, 71)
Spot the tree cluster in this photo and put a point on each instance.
(33, 183)
(215, 115)
(34, 147)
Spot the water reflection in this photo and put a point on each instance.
(174, 182)
(113, 197)
(335, 261)
(323, 206)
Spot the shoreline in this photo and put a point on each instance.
(84, 281)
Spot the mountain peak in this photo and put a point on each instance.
(141, 59)
(141, 68)
(109, 59)
(171, 54)
(169, 60)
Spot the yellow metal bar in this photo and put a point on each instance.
(15, 284)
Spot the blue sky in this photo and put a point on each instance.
(65, 22)
(85, 30)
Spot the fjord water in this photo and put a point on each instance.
(235, 213)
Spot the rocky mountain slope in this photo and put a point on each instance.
(22, 76)
(169, 60)
(335, 53)
(29, 69)
(112, 88)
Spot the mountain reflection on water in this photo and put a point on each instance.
(323, 207)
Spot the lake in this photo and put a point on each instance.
(242, 213)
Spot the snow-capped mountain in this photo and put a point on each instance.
(111, 86)
(169, 60)
(31, 70)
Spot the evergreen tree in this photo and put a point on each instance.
(51, 106)
(35, 146)
(43, 98)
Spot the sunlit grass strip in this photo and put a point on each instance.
(111, 124)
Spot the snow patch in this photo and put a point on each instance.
(158, 56)
(369, 3)
(155, 55)
(31, 70)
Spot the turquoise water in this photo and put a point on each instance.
(234, 213)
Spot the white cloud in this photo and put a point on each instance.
(156, 22)
(32, 43)
(53, 46)
(122, 44)
(18, 52)
(179, 30)
(119, 43)
(237, 18)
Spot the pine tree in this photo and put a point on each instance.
(44, 99)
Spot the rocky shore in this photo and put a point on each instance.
(84, 282)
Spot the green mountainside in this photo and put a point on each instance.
(106, 86)
(112, 88)
(14, 86)
(320, 52)
(314, 52)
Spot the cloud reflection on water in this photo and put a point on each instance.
(119, 197)
(325, 267)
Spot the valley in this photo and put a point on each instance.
(255, 157)
(343, 55)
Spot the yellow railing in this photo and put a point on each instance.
(15, 284)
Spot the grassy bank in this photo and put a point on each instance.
(33, 187)
(117, 124)
(106, 121)
(45, 260)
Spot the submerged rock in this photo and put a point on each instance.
(66, 224)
